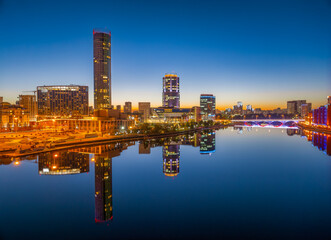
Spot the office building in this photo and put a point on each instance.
(207, 106)
(102, 69)
(62, 100)
(29, 102)
(170, 93)
(128, 107)
(144, 108)
(249, 108)
(294, 107)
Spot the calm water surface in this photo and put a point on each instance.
(233, 184)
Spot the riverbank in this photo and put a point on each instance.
(314, 129)
(99, 140)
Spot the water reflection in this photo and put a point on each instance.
(76, 161)
(62, 163)
(171, 155)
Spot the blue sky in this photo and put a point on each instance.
(260, 52)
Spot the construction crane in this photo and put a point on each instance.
(34, 92)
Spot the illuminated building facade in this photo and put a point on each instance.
(102, 69)
(322, 116)
(13, 117)
(103, 187)
(62, 100)
(29, 102)
(170, 114)
(207, 106)
(207, 143)
(171, 155)
(63, 163)
(170, 93)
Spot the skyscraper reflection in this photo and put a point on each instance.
(207, 143)
(171, 155)
(103, 187)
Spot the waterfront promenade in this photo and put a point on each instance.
(16, 149)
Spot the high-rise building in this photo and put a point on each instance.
(144, 108)
(329, 99)
(29, 102)
(294, 107)
(171, 155)
(102, 69)
(207, 106)
(249, 107)
(118, 107)
(128, 107)
(1, 100)
(170, 93)
(62, 100)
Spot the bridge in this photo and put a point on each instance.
(275, 123)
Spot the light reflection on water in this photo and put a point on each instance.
(268, 183)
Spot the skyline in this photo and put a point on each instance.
(252, 56)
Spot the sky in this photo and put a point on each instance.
(262, 53)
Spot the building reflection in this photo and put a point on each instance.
(63, 163)
(207, 143)
(102, 156)
(322, 142)
(171, 155)
(103, 187)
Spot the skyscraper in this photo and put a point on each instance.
(102, 69)
(170, 93)
(207, 106)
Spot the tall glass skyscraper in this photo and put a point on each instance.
(207, 106)
(170, 92)
(102, 69)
